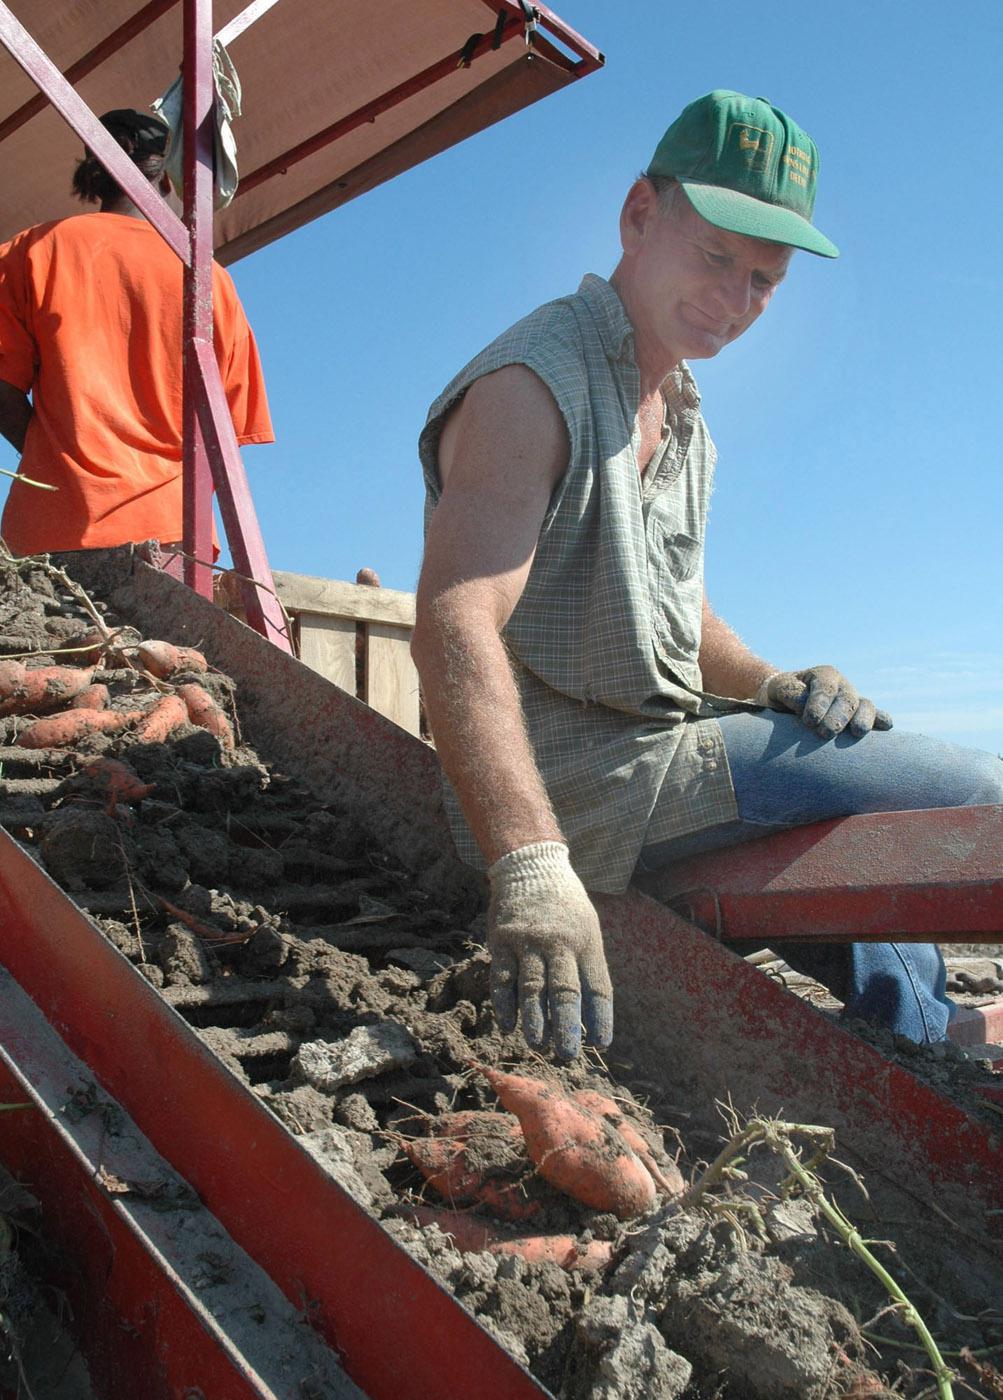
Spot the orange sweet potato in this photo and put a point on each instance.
(11, 676)
(162, 659)
(206, 713)
(467, 1122)
(95, 697)
(574, 1149)
(88, 645)
(558, 1249)
(670, 1182)
(472, 1235)
(46, 688)
(58, 731)
(115, 780)
(446, 1166)
(161, 719)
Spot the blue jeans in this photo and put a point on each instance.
(784, 776)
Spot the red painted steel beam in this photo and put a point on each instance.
(236, 506)
(702, 1025)
(74, 110)
(395, 1328)
(199, 98)
(92, 59)
(914, 876)
(210, 449)
(148, 1320)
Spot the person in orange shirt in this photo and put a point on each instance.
(90, 326)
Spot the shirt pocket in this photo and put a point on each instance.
(676, 580)
(682, 555)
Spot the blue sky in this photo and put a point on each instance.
(858, 505)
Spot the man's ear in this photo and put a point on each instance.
(636, 214)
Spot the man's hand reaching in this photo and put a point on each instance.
(546, 949)
(825, 700)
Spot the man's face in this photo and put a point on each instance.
(696, 287)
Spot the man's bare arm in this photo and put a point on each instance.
(501, 453)
(727, 665)
(15, 414)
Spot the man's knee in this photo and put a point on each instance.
(976, 778)
(924, 772)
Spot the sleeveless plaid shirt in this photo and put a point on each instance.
(604, 641)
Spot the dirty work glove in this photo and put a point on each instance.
(825, 700)
(546, 951)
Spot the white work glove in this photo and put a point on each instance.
(825, 700)
(546, 951)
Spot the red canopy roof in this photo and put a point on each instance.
(337, 97)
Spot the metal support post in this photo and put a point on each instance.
(210, 449)
(198, 320)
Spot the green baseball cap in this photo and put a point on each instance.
(745, 167)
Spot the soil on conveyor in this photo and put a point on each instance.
(353, 1007)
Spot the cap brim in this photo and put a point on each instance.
(742, 213)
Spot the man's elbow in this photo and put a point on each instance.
(446, 626)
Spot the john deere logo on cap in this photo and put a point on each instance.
(800, 166)
(754, 144)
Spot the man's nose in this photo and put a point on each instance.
(734, 292)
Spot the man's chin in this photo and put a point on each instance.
(705, 347)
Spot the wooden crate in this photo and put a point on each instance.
(355, 635)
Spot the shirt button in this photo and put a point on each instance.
(710, 766)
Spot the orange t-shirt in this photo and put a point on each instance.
(90, 324)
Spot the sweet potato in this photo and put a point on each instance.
(162, 659)
(206, 713)
(161, 719)
(471, 1233)
(468, 1122)
(474, 1236)
(95, 697)
(461, 1180)
(115, 780)
(46, 688)
(558, 1249)
(88, 645)
(574, 1149)
(670, 1182)
(58, 731)
(11, 675)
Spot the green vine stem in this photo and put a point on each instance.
(777, 1135)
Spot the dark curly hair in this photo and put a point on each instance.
(143, 138)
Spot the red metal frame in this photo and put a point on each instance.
(922, 876)
(130, 1273)
(210, 450)
(695, 1017)
(198, 319)
(396, 1329)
